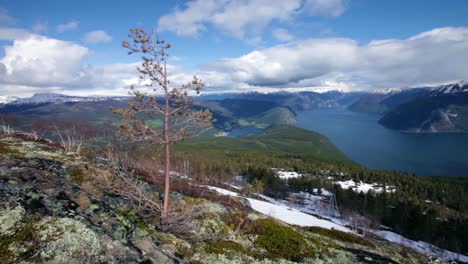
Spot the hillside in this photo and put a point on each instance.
(442, 113)
(280, 139)
(54, 208)
(229, 113)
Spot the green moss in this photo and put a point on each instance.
(224, 247)
(280, 241)
(340, 236)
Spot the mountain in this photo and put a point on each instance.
(305, 100)
(432, 113)
(453, 88)
(7, 99)
(428, 109)
(40, 98)
(370, 103)
(229, 113)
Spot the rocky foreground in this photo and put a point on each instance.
(53, 210)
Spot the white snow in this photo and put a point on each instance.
(7, 99)
(364, 187)
(279, 210)
(292, 216)
(284, 213)
(420, 246)
(284, 174)
(222, 191)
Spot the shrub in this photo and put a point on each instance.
(280, 241)
(77, 175)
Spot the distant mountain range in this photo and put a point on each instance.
(428, 109)
(40, 98)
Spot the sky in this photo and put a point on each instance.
(74, 47)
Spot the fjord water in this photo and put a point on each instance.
(364, 140)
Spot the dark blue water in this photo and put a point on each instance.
(374, 146)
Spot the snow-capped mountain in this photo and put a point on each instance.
(387, 91)
(7, 99)
(458, 87)
(39, 98)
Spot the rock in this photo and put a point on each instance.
(155, 254)
(168, 249)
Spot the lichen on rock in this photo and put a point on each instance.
(67, 239)
(9, 218)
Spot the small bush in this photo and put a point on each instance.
(340, 236)
(77, 175)
(280, 241)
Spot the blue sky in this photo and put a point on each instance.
(235, 45)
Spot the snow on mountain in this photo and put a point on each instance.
(387, 91)
(297, 216)
(285, 213)
(458, 87)
(7, 99)
(420, 246)
(39, 98)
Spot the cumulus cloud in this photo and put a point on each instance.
(35, 63)
(432, 57)
(67, 26)
(241, 17)
(38, 63)
(97, 36)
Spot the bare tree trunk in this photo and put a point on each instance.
(168, 150)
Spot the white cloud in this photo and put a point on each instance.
(67, 26)
(431, 57)
(40, 61)
(5, 17)
(34, 63)
(40, 27)
(282, 35)
(97, 36)
(241, 18)
(331, 8)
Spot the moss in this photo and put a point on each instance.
(224, 247)
(280, 241)
(340, 236)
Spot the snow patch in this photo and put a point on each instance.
(420, 246)
(364, 187)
